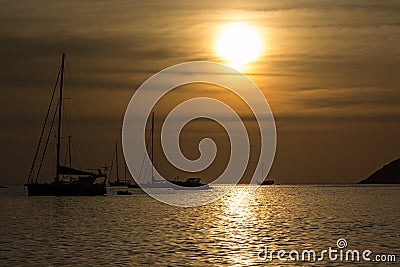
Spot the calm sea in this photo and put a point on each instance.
(234, 231)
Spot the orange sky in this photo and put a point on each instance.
(329, 70)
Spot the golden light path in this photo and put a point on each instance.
(238, 44)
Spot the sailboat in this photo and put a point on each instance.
(78, 182)
(118, 182)
(264, 182)
(154, 183)
(190, 183)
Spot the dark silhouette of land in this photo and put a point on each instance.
(388, 174)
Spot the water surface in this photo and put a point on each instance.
(137, 230)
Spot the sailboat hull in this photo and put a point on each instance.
(66, 189)
(118, 183)
(266, 182)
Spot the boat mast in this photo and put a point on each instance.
(57, 179)
(152, 148)
(125, 173)
(124, 164)
(69, 156)
(262, 170)
(116, 158)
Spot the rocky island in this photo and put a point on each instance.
(388, 174)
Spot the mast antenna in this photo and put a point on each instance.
(57, 179)
(152, 148)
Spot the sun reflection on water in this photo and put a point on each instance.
(139, 231)
(239, 225)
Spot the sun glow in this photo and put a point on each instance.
(238, 44)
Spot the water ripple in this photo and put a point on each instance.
(137, 230)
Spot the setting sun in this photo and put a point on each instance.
(238, 44)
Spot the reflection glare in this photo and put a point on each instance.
(239, 224)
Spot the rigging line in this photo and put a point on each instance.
(43, 129)
(145, 172)
(76, 159)
(116, 159)
(144, 156)
(124, 173)
(66, 154)
(47, 142)
(77, 130)
(112, 164)
(141, 167)
(66, 117)
(68, 114)
(85, 149)
(69, 150)
(67, 122)
(162, 165)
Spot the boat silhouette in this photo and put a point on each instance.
(264, 182)
(119, 182)
(68, 181)
(124, 193)
(190, 183)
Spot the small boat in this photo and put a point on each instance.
(68, 181)
(124, 193)
(154, 183)
(266, 182)
(190, 183)
(3, 186)
(118, 182)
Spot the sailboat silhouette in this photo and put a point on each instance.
(79, 183)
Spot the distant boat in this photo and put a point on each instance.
(77, 182)
(124, 193)
(154, 183)
(3, 186)
(190, 183)
(266, 182)
(118, 182)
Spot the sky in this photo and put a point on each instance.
(329, 70)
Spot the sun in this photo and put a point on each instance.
(238, 44)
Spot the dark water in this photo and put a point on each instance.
(137, 230)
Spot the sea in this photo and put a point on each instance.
(278, 225)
